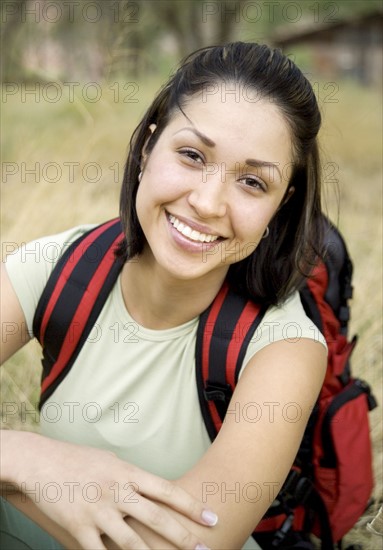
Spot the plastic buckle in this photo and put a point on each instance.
(303, 490)
(289, 487)
(280, 535)
(296, 489)
(217, 392)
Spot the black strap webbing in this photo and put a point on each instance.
(66, 292)
(215, 385)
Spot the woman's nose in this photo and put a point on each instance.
(209, 196)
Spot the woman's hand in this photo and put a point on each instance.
(89, 492)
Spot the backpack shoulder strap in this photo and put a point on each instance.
(72, 300)
(224, 332)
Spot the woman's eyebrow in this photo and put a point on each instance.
(263, 163)
(207, 141)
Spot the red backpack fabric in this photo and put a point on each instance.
(342, 456)
(330, 483)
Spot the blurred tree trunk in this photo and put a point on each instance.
(197, 23)
(11, 40)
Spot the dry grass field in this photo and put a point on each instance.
(78, 150)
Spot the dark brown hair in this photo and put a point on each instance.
(281, 261)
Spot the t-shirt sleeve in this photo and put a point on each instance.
(30, 266)
(287, 322)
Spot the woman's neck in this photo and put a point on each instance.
(158, 301)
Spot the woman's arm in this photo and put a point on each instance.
(33, 465)
(14, 333)
(243, 470)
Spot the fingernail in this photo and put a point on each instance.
(209, 517)
(201, 547)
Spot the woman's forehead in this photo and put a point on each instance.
(230, 108)
(235, 123)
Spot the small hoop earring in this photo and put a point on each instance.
(139, 177)
(266, 233)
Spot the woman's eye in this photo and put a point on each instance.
(192, 155)
(254, 183)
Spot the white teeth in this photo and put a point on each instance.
(187, 231)
(192, 234)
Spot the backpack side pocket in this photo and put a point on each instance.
(343, 472)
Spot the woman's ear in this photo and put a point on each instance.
(289, 192)
(144, 154)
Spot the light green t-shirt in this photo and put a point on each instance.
(133, 390)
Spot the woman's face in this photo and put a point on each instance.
(212, 183)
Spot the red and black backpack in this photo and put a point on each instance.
(330, 483)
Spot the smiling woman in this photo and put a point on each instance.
(276, 102)
(220, 190)
(200, 177)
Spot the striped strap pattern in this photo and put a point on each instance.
(224, 332)
(73, 299)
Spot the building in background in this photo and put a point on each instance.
(349, 48)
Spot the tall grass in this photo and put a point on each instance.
(352, 139)
(93, 139)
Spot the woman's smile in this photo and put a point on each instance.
(187, 230)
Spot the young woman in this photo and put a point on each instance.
(221, 184)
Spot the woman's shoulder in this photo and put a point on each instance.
(30, 265)
(39, 257)
(286, 321)
(48, 248)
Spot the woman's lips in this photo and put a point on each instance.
(193, 232)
